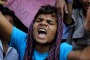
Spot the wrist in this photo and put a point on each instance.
(70, 1)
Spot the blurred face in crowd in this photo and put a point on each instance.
(45, 28)
(85, 4)
(9, 18)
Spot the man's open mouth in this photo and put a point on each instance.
(42, 32)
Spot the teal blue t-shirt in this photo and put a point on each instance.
(18, 41)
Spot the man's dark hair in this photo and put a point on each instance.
(54, 52)
(77, 4)
(6, 11)
(17, 22)
(47, 10)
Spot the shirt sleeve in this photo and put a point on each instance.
(65, 48)
(66, 30)
(18, 38)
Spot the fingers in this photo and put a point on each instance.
(61, 11)
(60, 5)
(65, 8)
(2, 2)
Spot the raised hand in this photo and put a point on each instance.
(2, 2)
(61, 5)
(67, 17)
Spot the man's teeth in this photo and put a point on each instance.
(42, 30)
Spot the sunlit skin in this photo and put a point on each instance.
(48, 22)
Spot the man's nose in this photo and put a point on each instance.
(44, 23)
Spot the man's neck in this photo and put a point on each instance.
(42, 48)
(5, 46)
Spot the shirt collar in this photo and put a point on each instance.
(1, 45)
(81, 14)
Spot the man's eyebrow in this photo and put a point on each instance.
(51, 20)
(40, 18)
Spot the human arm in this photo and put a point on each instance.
(65, 10)
(74, 55)
(80, 54)
(61, 5)
(5, 28)
(85, 55)
(67, 53)
(68, 16)
(64, 7)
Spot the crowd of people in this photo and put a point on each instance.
(59, 32)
